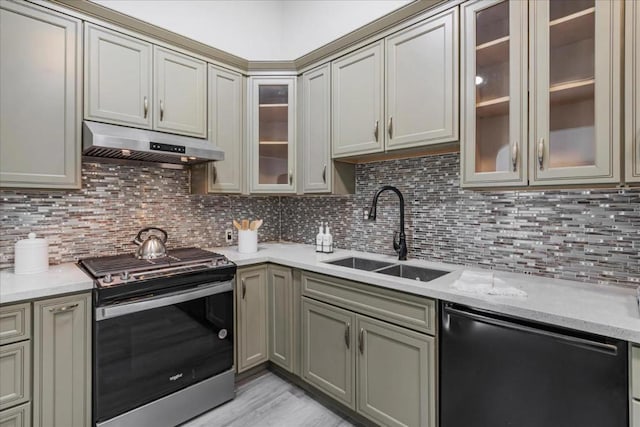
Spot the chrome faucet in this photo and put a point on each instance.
(399, 238)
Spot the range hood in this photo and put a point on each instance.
(124, 143)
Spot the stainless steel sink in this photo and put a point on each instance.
(360, 263)
(410, 272)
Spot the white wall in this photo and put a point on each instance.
(258, 29)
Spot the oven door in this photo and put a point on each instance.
(150, 348)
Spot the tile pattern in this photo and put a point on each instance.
(585, 235)
(269, 401)
(115, 202)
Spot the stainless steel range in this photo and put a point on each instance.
(163, 337)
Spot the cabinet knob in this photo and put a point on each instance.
(324, 174)
(514, 156)
(347, 334)
(290, 178)
(146, 106)
(541, 153)
(161, 111)
(375, 131)
(390, 127)
(361, 341)
(244, 289)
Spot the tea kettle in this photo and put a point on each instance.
(153, 246)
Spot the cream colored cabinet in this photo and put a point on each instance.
(319, 173)
(251, 314)
(41, 97)
(573, 87)
(226, 95)
(62, 362)
(634, 386)
(357, 106)
(575, 91)
(280, 299)
(422, 83)
(118, 78)
(272, 131)
(328, 356)
(15, 323)
(396, 375)
(632, 91)
(494, 93)
(15, 374)
(19, 416)
(180, 94)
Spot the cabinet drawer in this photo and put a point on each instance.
(20, 416)
(635, 413)
(635, 372)
(15, 380)
(402, 309)
(15, 323)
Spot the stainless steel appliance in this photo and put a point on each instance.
(500, 371)
(163, 337)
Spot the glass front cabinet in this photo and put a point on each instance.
(569, 101)
(272, 134)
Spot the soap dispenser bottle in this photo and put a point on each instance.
(327, 241)
(320, 240)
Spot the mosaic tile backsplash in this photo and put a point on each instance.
(591, 236)
(115, 202)
(585, 235)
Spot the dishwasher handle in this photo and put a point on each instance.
(572, 340)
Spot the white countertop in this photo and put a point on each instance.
(605, 310)
(58, 280)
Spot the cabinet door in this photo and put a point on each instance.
(180, 93)
(422, 83)
(357, 112)
(19, 416)
(251, 295)
(493, 141)
(575, 91)
(328, 357)
(62, 362)
(225, 129)
(632, 90)
(282, 345)
(316, 130)
(117, 74)
(40, 102)
(272, 134)
(15, 374)
(396, 375)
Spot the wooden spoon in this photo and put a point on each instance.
(257, 224)
(237, 225)
(245, 224)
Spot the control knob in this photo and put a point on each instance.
(125, 276)
(107, 278)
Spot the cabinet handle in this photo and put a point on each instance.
(244, 289)
(514, 156)
(63, 309)
(161, 111)
(215, 174)
(390, 127)
(361, 341)
(347, 334)
(290, 178)
(324, 174)
(375, 131)
(146, 107)
(541, 153)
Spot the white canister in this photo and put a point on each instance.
(31, 255)
(247, 241)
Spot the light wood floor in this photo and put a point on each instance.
(269, 401)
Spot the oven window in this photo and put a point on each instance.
(143, 356)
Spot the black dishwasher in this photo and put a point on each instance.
(497, 371)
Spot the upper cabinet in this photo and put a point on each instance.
(632, 91)
(414, 104)
(180, 93)
(131, 82)
(575, 91)
(494, 93)
(118, 79)
(272, 130)
(40, 101)
(422, 83)
(573, 108)
(357, 112)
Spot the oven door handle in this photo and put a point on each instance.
(103, 313)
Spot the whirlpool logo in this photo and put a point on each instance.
(175, 377)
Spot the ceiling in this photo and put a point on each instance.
(258, 30)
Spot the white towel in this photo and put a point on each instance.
(483, 282)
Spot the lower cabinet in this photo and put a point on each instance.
(15, 374)
(280, 301)
(19, 416)
(62, 362)
(384, 372)
(251, 315)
